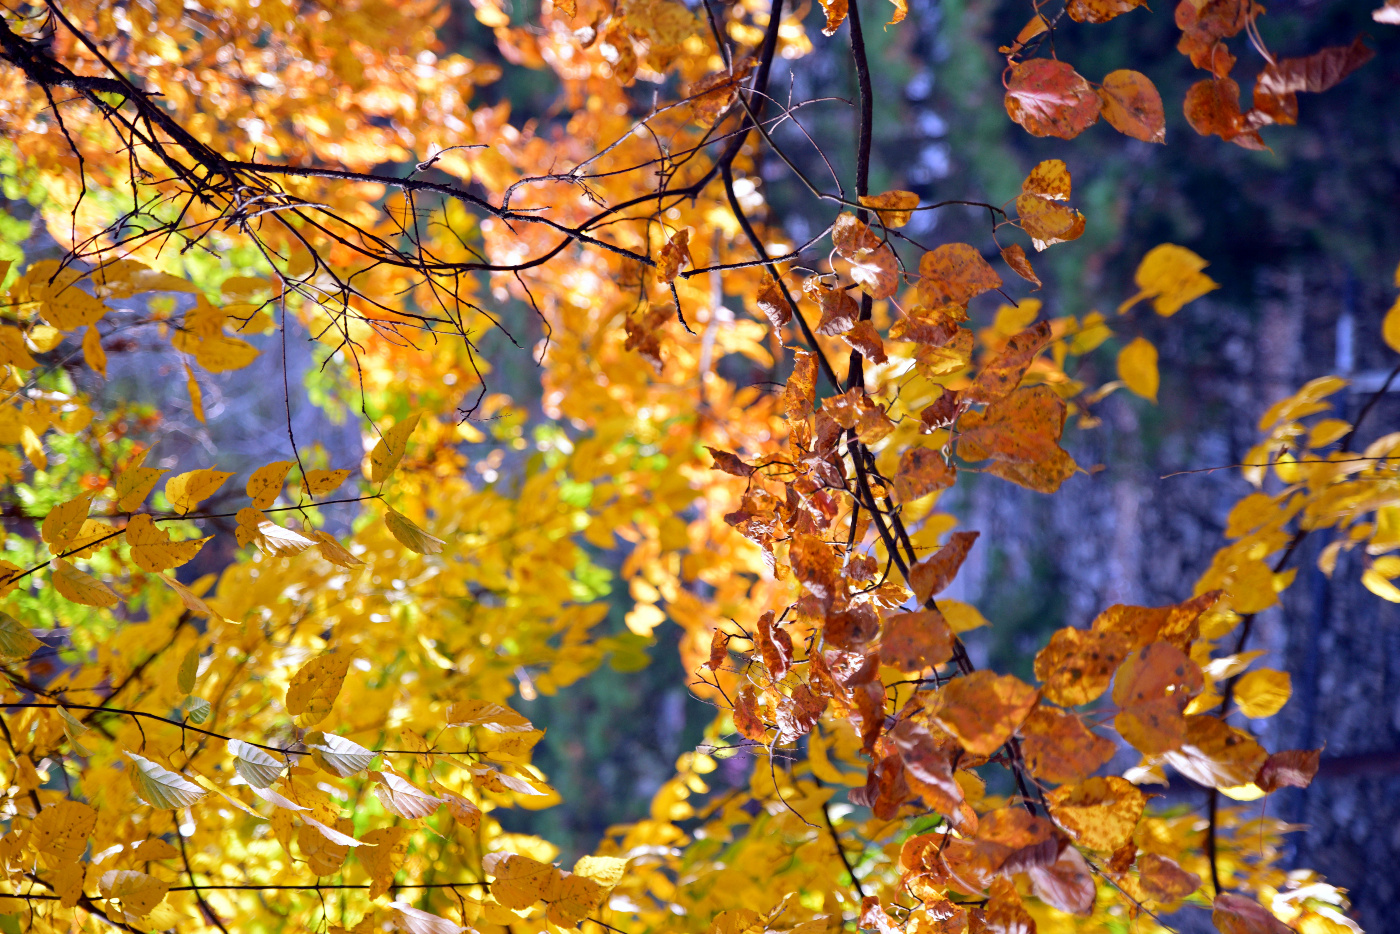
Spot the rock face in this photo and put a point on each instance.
(1131, 533)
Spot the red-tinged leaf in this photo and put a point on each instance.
(1213, 108)
(729, 463)
(933, 575)
(1291, 768)
(719, 650)
(943, 412)
(799, 713)
(1164, 879)
(1132, 106)
(915, 641)
(1236, 914)
(1015, 257)
(873, 917)
(775, 645)
(1066, 884)
(1049, 98)
(1099, 11)
(746, 717)
(1318, 72)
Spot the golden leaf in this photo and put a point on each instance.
(265, 485)
(151, 548)
(313, 689)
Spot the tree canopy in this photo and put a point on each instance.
(316, 730)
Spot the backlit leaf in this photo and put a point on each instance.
(73, 584)
(151, 547)
(400, 796)
(1171, 276)
(62, 829)
(138, 892)
(410, 535)
(338, 755)
(321, 482)
(932, 575)
(16, 641)
(1100, 813)
(1137, 368)
(161, 788)
(255, 766)
(313, 689)
(265, 485)
(894, 208)
(983, 709)
(412, 920)
(390, 449)
(1049, 98)
(1263, 692)
(520, 881)
(1132, 106)
(383, 856)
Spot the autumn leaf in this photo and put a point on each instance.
(187, 490)
(1078, 665)
(1015, 257)
(1099, 11)
(894, 208)
(983, 709)
(520, 881)
(151, 548)
(265, 484)
(402, 797)
(1100, 813)
(1058, 747)
(1214, 754)
(1066, 884)
(73, 584)
(1164, 879)
(1292, 768)
(161, 788)
(410, 535)
(1171, 276)
(921, 472)
(62, 829)
(674, 255)
(1049, 98)
(1236, 914)
(954, 274)
(1315, 73)
(932, 575)
(1263, 692)
(390, 448)
(135, 483)
(1213, 108)
(383, 856)
(138, 892)
(1137, 368)
(1003, 374)
(916, 640)
(313, 689)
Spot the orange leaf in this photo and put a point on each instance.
(1015, 257)
(1152, 688)
(915, 641)
(1099, 11)
(983, 709)
(1003, 374)
(1078, 665)
(1058, 747)
(953, 274)
(932, 575)
(1132, 106)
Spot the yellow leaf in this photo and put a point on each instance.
(73, 584)
(1263, 693)
(983, 709)
(605, 870)
(1390, 327)
(383, 856)
(93, 353)
(68, 307)
(152, 549)
(189, 668)
(1049, 179)
(319, 482)
(390, 449)
(187, 490)
(315, 686)
(196, 395)
(961, 616)
(135, 483)
(1378, 585)
(67, 881)
(44, 338)
(266, 483)
(62, 829)
(333, 551)
(1171, 276)
(254, 528)
(222, 353)
(1100, 813)
(138, 892)
(410, 535)
(520, 880)
(192, 601)
(1137, 368)
(65, 521)
(12, 349)
(894, 208)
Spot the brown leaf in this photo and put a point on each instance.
(943, 412)
(1003, 374)
(1100, 813)
(719, 650)
(729, 463)
(746, 717)
(1213, 107)
(932, 575)
(1164, 880)
(1015, 257)
(1058, 747)
(1132, 106)
(775, 645)
(713, 94)
(1066, 885)
(983, 709)
(1024, 427)
(1178, 624)
(798, 713)
(674, 254)
(1099, 11)
(852, 627)
(1078, 665)
(1010, 840)
(1236, 914)
(1318, 72)
(932, 326)
(1049, 98)
(835, 15)
(953, 274)
(1291, 768)
(839, 310)
(1005, 913)
(863, 337)
(800, 394)
(774, 304)
(915, 641)
(921, 472)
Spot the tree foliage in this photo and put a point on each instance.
(320, 736)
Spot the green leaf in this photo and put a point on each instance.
(189, 667)
(197, 709)
(16, 641)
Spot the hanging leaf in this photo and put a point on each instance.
(338, 755)
(255, 766)
(1049, 98)
(390, 449)
(410, 535)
